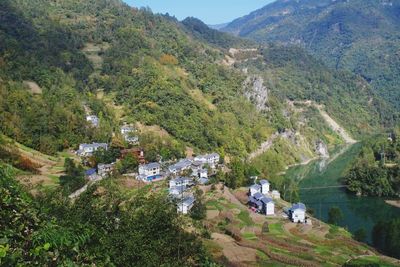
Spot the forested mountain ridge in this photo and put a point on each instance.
(360, 36)
(159, 72)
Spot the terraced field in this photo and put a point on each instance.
(240, 237)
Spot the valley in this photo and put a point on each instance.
(129, 138)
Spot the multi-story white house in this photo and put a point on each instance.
(264, 186)
(149, 172)
(210, 159)
(181, 181)
(297, 213)
(180, 166)
(88, 149)
(262, 204)
(185, 205)
(254, 189)
(94, 120)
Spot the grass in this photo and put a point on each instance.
(276, 228)
(244, 216)
(369, 260)
(249, 236)
(54, 178)
(214, 204)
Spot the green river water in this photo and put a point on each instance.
(317, 182)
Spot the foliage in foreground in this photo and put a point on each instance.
(99, 227)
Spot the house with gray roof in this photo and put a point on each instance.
(185, 205)
(211, 159)
(262, 204)
(181, 181)
(180, 166)
(264, 186)
(297, 213)
(255, 188)
(88, 149)
(149, 172)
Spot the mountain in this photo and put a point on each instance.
(212, 36)
(359, 36)
(63, 59)
(218, 26)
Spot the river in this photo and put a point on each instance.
(358, 212)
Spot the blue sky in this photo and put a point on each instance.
(209, 11)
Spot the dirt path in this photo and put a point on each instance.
(264, 147)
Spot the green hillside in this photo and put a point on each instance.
(360, 36)
(157, 70)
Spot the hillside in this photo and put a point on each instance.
(203, 89)
(358, 35)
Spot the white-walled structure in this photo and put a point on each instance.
(264, 186)
(149, 172)
(297, 213)
(185, 205)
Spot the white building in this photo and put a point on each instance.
(275, 194)
(177, 191)
(180, 166)
(185, 205)
(264, 186)
(254, 189)
(88, 149)
(297, 213)
(127, 133)
(180, 181)
(268, 206)
(203, 173)
(127, 129)
(105, 169)
(210, 159)
(262, 204)
(149, 172)
(94, 120)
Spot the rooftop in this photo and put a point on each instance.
(151, 165)
(299, 206)
(264, 181)
(187, 201)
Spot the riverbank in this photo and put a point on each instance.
(394, 203)
(321, 190)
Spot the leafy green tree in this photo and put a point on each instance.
(198, 211)
(74, 178)
(335, 215)
(360, 235)
(386, 237)
(128, 164)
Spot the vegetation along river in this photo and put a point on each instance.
(318, 183)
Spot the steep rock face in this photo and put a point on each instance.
(322, 149)
(256, 92)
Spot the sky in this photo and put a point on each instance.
(210, 11)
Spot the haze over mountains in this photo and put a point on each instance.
(362, 36)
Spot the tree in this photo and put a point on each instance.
(335, 215)
(74, 178)
(360, 235)
(128, 164)
(106, 156)
(198, 212)
(386, 237)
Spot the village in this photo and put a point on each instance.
(182, 176)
